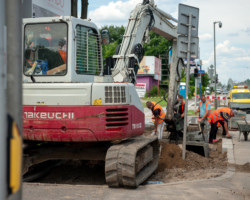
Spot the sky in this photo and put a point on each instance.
(232, 40)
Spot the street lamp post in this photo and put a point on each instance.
(220, 25)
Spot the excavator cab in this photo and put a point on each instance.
(61, 49)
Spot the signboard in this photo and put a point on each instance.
(140, 89)
(150, 65)
(201, 72)
(51, 8)
(157, 74)
(184, 11)
(182, 43)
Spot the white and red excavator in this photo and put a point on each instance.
(73, 111)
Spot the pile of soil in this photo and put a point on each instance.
(243, 168)
(173, 168)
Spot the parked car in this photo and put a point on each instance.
(218, 91)
(225, 92)
(207, 92)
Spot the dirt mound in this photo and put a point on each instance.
(171, 157)
(243, 168)
(172, 168)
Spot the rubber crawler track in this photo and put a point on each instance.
(130, 163)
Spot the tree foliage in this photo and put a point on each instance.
(116, 34)
(158, 45)
(204, 82)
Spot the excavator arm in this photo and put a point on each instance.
(143, 18)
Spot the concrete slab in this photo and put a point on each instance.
(241, 149)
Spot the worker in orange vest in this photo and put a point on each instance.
(181, 108)
(204, 110)
(158, 117)
(220, 115)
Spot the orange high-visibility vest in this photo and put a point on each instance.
(207, 102)
(225, 110)
(215, 116)
(162, 113)
(182, 107)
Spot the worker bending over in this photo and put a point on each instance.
(158, 117)
(220, 115)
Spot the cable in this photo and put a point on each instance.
(180, 59)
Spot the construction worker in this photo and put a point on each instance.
(204, 110)
(181, 105)
(159, 116)
(220, 115)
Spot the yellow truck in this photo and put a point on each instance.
(239, 98)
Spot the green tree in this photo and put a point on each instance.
(158, 45)
(204, 82)
(116, 34)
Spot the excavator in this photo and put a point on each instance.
(71, 110)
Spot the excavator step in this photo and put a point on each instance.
(131, 162)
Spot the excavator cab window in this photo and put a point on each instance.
(88, 52)
(45, 49)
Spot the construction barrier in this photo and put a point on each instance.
(222, 98)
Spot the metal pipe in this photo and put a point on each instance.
(215, 94)
(3, 127)
(187, 83)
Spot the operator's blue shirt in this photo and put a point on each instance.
(202, 108)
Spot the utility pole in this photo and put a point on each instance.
(12, 85)
(215, 102)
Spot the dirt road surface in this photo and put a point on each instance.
(196, 178)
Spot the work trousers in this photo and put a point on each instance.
(213, 132)
(224, 131)
(160, 130)
(214, 129)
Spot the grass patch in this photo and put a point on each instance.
(191, 112)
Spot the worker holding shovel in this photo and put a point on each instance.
(204, 110)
